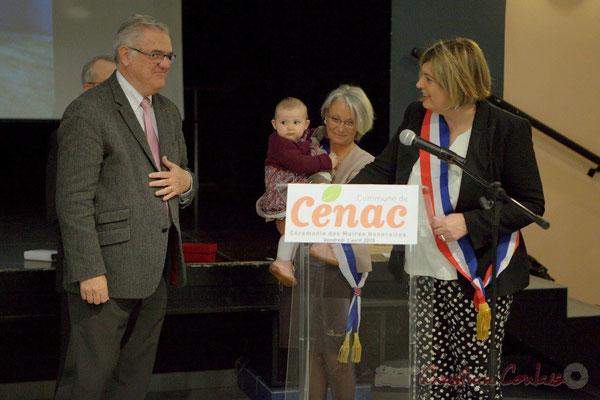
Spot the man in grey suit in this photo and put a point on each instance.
(122, 179)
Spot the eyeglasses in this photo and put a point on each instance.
(156, 57)
(337, 121)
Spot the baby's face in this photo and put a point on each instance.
(290, 123)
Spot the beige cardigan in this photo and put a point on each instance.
(348, 169)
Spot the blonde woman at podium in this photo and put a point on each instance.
(450, 265)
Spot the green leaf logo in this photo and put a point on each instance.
(331, 193)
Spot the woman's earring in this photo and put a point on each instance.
(456, 108)
(324, 122)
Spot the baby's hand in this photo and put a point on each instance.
(334, 160)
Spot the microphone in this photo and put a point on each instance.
(409, 138)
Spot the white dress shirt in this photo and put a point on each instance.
(135, 100)
(424, 258)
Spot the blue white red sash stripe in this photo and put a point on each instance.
(434, 175)
(347, 265)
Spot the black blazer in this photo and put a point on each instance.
(500, 149)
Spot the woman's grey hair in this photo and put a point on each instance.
(360, 106)
(88, 74)
(131, 30)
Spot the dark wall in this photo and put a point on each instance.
(244, 57)
(420, 23)
(24, 149)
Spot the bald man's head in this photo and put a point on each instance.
(96, 71)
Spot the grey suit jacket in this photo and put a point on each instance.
(110, 219)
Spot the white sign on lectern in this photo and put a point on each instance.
(381, 214)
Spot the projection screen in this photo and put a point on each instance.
(45, 43)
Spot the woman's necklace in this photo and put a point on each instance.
(342, 152)
(460, 121)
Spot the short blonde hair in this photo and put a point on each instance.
(359, 104)
(459, 67)
(290, 103)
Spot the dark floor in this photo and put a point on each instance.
(519, 392)
(509, 393)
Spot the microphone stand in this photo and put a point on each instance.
(494, 201)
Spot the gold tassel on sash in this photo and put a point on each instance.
(356, 349)
(345, 349)
(484, 317)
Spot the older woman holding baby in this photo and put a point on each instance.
(347, 116)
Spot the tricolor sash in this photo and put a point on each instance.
(347, 265)
(434, 175)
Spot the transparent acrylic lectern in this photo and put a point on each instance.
(352, 332)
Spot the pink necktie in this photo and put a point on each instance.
(152, 140)
(150, 134)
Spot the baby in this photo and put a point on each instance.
(292, 157)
